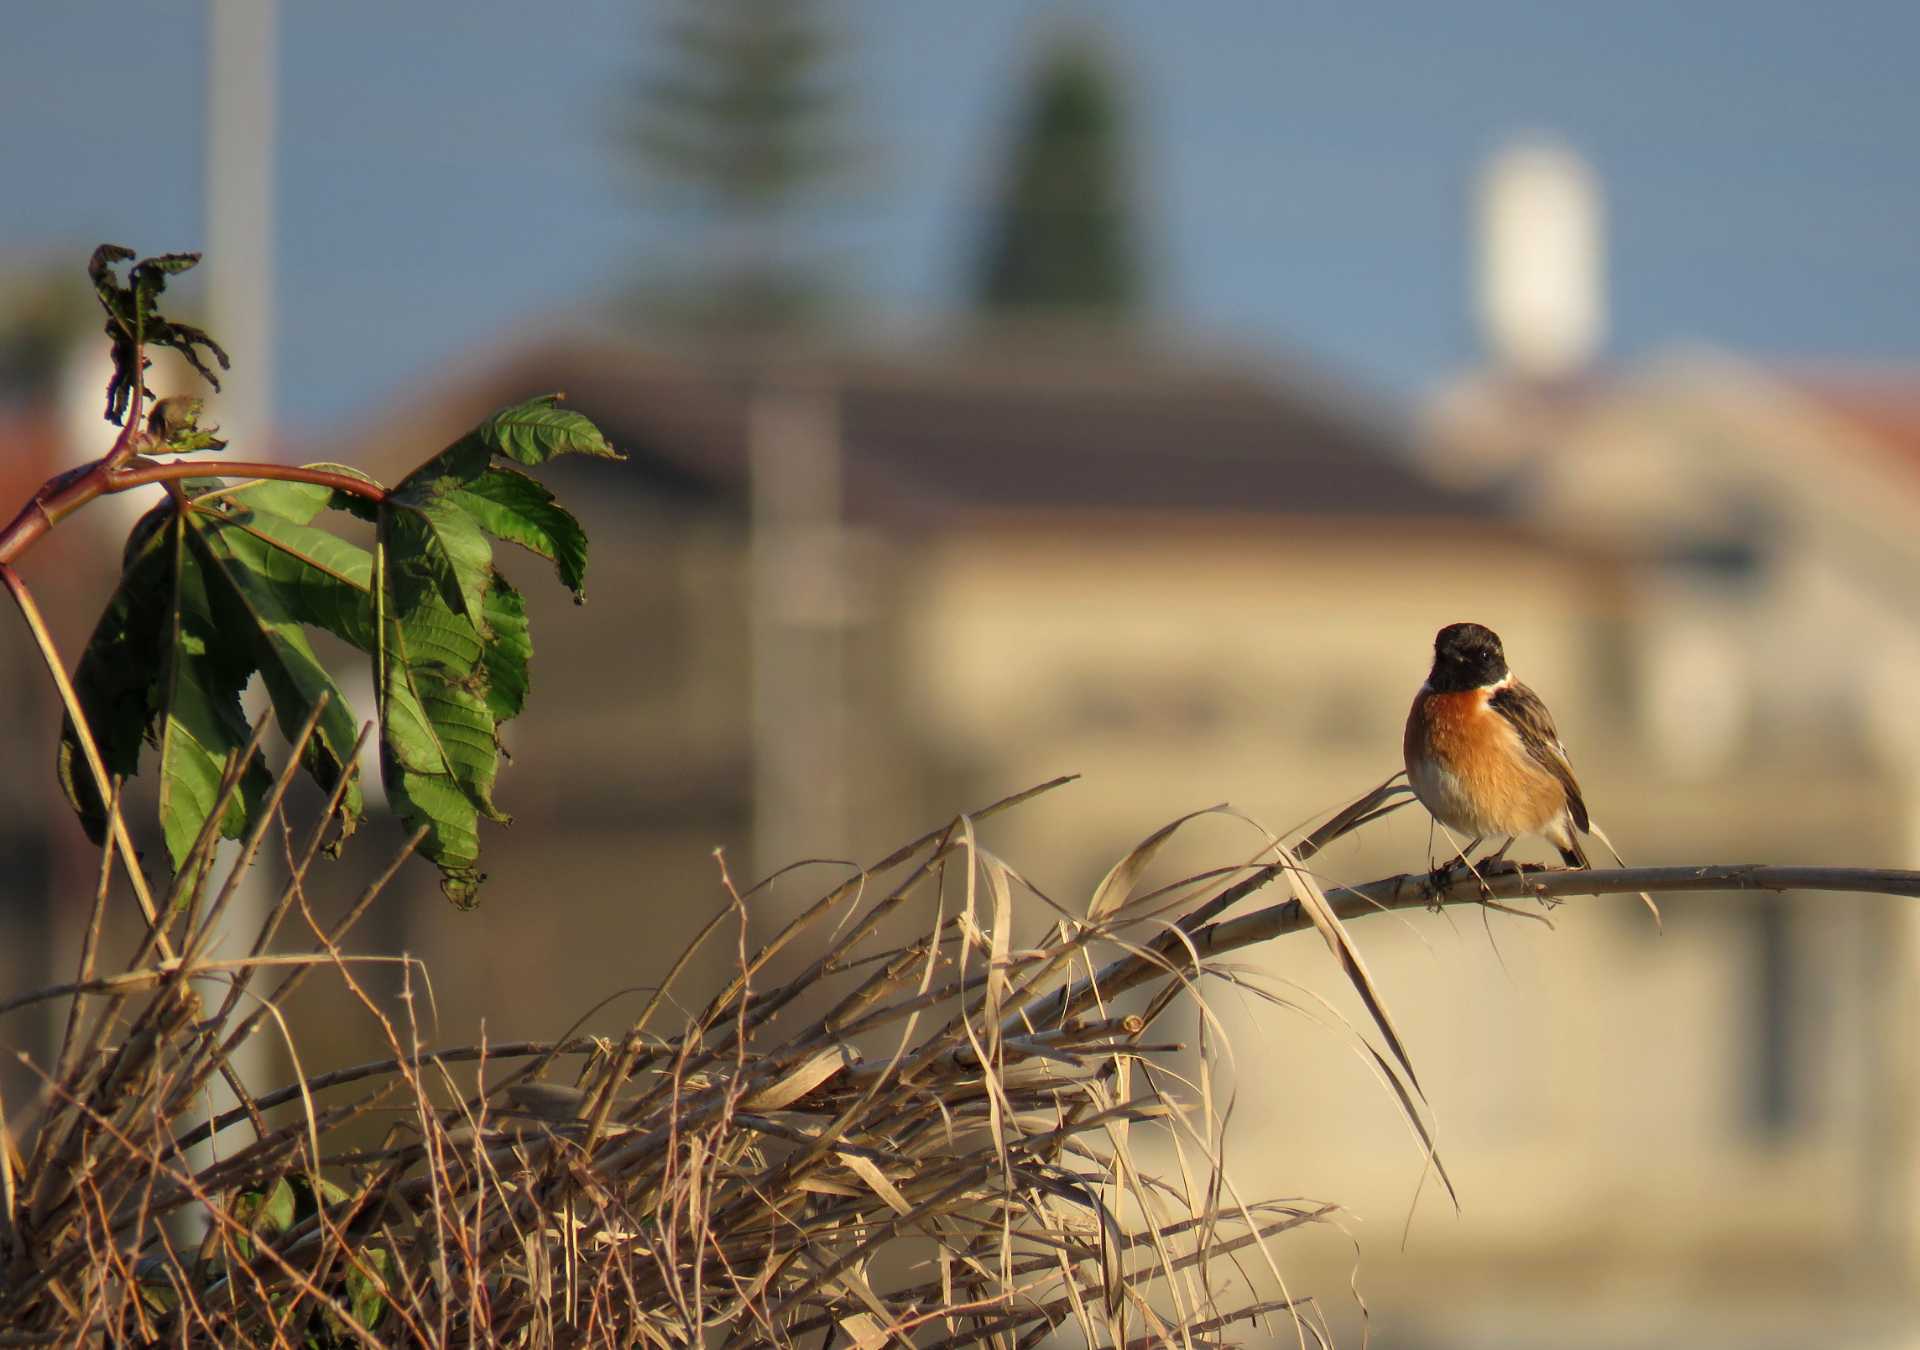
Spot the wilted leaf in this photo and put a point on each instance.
(1118, 884)
(135, 323)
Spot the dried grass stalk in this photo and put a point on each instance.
(956, 1140)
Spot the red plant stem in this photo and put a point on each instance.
(62, 495)
(286, 473)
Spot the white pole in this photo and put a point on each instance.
(799, 616)
(242, 68)
(242, 65)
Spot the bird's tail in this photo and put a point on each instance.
(1571, 853)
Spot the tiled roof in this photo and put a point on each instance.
(1882, 402)
(968, 432)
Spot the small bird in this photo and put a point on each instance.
(1482, 752)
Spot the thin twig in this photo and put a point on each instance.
(96, 766)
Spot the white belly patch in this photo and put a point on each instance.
(1440, 791)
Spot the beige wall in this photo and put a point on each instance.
(1594, 1084)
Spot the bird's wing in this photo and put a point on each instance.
(1529, 716)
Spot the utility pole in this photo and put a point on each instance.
(242, 77)
(800, 609)
(242, 69)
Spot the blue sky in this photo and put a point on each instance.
(447, 172)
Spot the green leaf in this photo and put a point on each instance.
(509, 505)
(208, 598)
(116, 672)
(222, 582)
(320, 579)
(366, 1288)
(434, 543)
(438, 749)
(454, 646)
(266, 1212)
(461, 462)
(199, 723)
(540, 429)
(507, 657)
(252, 607)
(156, 669)
(274, 1211)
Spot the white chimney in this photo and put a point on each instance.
(1541, 289)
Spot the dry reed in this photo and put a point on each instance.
(956, 1140)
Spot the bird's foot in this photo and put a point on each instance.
(1441, 879)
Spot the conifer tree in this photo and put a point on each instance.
(1061, 241)
(736, 121)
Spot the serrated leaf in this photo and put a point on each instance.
(156, 670)
(432, 541)
(453, 827)
(439, 754)
(115, 671)
(366, 1288)
(461, 462)
(508, 656)
(223, 581)
(436, 720)
(509, 505)
(252, 607)
(266, 1211)
(324, 581)
(540, 429)
(199, 723)
(207, 599)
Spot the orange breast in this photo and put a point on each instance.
(1470, 770)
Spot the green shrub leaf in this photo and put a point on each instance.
(509, 505)
(222, 582)
(540, 429)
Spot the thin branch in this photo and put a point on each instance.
(1505, 881)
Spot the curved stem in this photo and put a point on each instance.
(130, 859)
(122, 479)
(62, 495)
